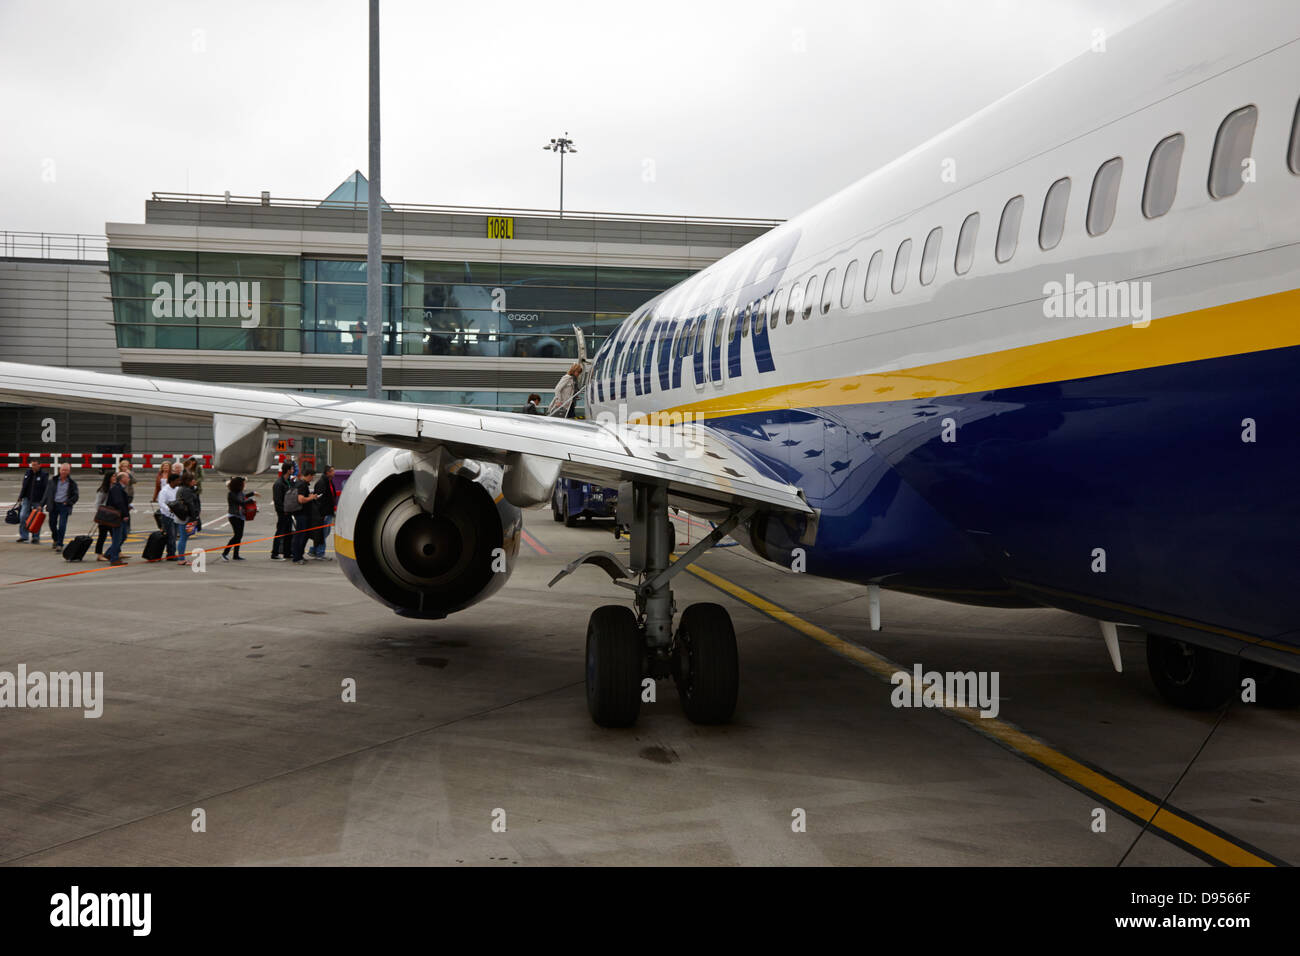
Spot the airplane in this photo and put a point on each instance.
(1047, 358)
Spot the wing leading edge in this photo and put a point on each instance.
(699, 466)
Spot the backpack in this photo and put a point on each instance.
(291, 503)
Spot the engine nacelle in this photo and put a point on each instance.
(421, 564)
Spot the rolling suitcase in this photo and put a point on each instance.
(76, 549)
(35, 521)
(153, 548)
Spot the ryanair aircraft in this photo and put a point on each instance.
(1048, 358)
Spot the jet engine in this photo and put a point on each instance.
(427, 535)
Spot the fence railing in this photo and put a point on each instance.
(52, 245)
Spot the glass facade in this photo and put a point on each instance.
(199, 300)
(206, 300)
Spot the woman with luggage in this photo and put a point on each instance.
(101, 498)
(236, 499)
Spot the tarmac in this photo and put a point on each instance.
(469, 742)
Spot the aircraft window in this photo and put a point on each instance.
(1105, 191)
(1052, 226)
(1009, 229)
(828, 292)
(1293, 155)
(744, 321)
(795, 304)
(970, 228)
(930, 255)
(735, 318)
(809, 296)
(697, 337)
(1231, 150)
(850, 280)
(873, 275)
(776, 308)
(1162, 176)
(901, 258)
(760, 314)
(719, 325)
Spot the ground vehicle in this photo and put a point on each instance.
(572, 499)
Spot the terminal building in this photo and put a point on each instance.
(479, 304)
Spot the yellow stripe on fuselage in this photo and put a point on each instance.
(1252, 325)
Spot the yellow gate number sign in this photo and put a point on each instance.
(500, 227)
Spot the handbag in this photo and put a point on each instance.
(108, 516)
(250, 510)
(12, 515)
(291, 503)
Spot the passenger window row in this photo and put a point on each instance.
(1232, 146)
(1230, 156)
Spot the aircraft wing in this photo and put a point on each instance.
(701, 468)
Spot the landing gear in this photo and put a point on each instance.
(1190, 676)
(706, 664)
(615, 663)
(625, 646)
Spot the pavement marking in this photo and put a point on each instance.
(532, 542)
(1178, 827)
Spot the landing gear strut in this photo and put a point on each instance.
(624, 647)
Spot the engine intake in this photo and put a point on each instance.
(423, 564)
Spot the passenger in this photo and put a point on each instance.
(325, 504)
(126, 481)
(306, 514)
(192, 466)
(166, 517)
(60, 499)
(187, 508)
(282, 545)
(565, 402)
(533, 406)
(32, 493)
(116, 499)
(235, 498)
(101, 498)
(160, 479)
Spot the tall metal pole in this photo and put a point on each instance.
(374, 228)
(561, 184)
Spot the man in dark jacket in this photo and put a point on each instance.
(282, 546)
(35, 482)
(60, 496)
(325, 503)
(533, 405)
(306, 515)
(117, 498)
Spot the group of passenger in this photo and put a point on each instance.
(304, 509)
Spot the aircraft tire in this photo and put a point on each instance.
(1189, 676)
(615, 666)
(706, 664)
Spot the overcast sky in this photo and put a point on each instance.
(757, 108)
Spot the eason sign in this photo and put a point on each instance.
(208, 300)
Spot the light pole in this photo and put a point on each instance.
(562, 145)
